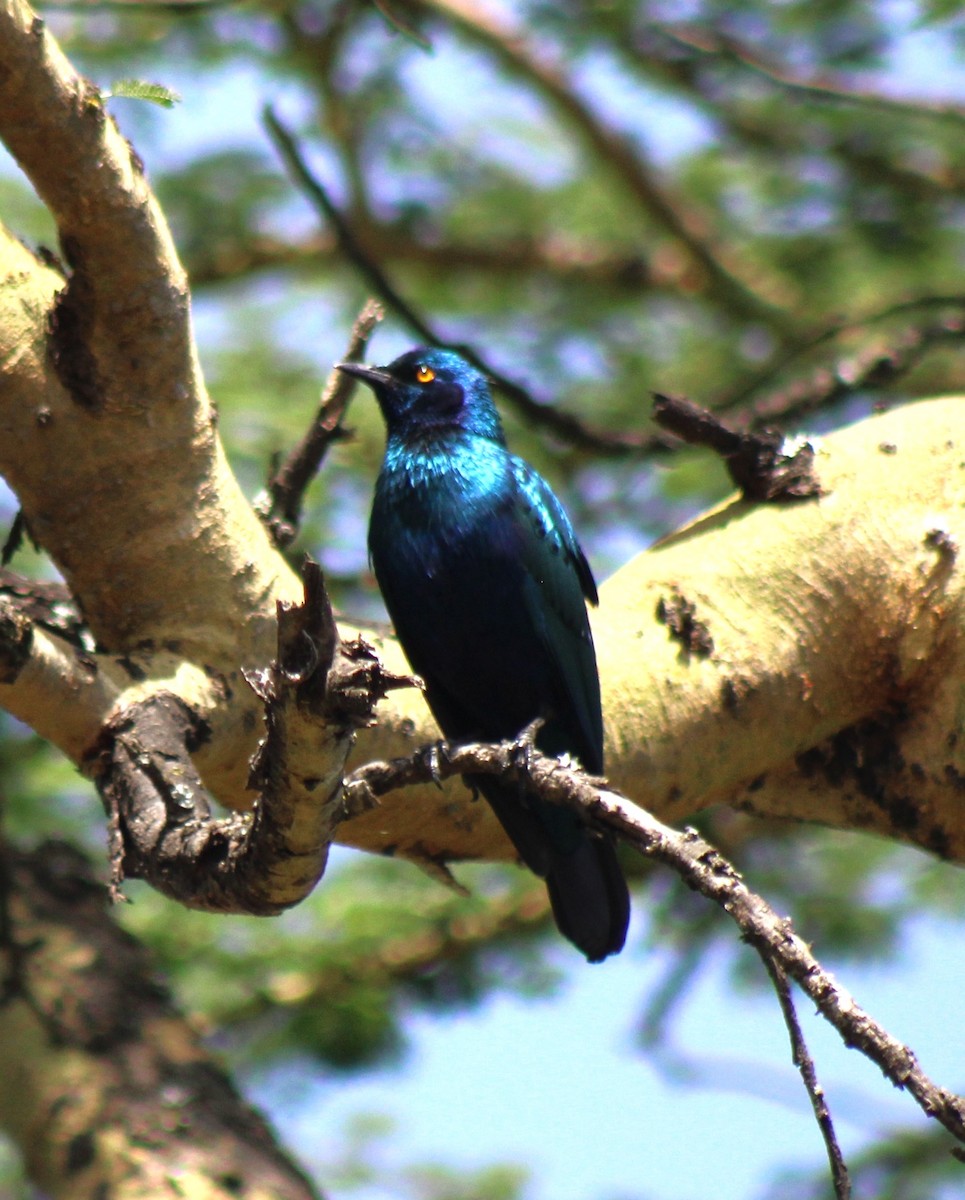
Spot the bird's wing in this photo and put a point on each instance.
(493, 617)
(557, 581)
(551, 524)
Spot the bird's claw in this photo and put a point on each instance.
(433, 755)
(525, 745)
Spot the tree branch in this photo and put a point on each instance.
(763, 465)
(737, 396)
(571, 262)
(724, 47)
(125, 273)
(699, 865)
(107, 1089)
(805, 1064)
(834, 627)
(869, 371)
(560, 423)
(316, 693)
(281, 506)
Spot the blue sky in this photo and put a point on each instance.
(560, 1087)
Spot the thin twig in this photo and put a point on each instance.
(723, 47)
(700, 866)
(738, 395)
(280, 505)
(870, 371)
(805, 1064)
(373, 274)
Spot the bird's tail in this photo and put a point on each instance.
(587, 890)
(589, 896)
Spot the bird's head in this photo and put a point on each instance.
(430, 389)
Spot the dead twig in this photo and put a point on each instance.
(280, 505)
(562, 424)
(763, 465)
(805, 1064)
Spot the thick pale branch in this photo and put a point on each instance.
(315, 693)
(833, 688)
(125, 273)
(52, 686)
(824, 671)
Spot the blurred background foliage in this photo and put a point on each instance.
(759, 205)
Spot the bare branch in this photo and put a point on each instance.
(125, 273)
(700, 866)
(570, 261)
(869, 371)
(804, 1063)
(281, 505)
(49, 605)
(760, 464)
(738, 395)
(560, 423)
(370, 270)
(724, 47)
(161, 827)
(51, 682)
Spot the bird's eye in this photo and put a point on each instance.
(424, 374)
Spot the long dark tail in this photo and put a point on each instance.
(587, 890)
(589, 896)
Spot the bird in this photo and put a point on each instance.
(486, 586)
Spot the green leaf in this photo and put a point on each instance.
(140, 89)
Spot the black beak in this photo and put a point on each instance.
(370, 375)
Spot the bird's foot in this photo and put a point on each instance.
(432, 755)
(524, 746)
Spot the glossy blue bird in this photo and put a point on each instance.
(486, 585)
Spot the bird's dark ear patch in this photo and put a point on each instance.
(440, 398)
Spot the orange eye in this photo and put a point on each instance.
(424, 374)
